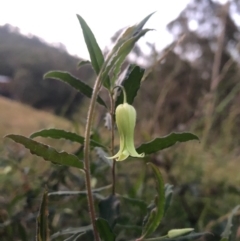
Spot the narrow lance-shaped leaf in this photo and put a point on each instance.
(74, 82)
(165, 142)
(168, 196)
(141, 24)
(47, 152)
(61, 134)
(127, 34)
(135, 202)
(157, 212)
(94, 50)
(115, 62)
(131, 84)
(105, 230)
(42, 220)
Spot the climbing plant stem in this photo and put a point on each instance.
(87, 155)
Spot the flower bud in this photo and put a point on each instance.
(178, 232)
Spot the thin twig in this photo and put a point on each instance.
(165, 54)
(221, 219)
(218, 54)
(216, 77)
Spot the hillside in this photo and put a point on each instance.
(24, 61)
(19, 118)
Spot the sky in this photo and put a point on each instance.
(55, 21)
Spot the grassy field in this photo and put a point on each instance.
(22, 119)
(214, 164)
(207, 176)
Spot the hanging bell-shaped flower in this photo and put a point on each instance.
(126, 120)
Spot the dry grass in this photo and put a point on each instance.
(209, 166)
(17, 118)
(22, 119)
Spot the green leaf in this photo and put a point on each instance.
(129, 33)
(82, 63)
(42, 219)
(47, 152)
(135, 202)
(131, 84)
(115, 62)
(139, 26)
(22, 232)
(161, 143)
(168, 196)
(135, 228)
(58, 134)
(75, 83)
(157, 213)
(228, 230)
(105, 231)
(109, 209)
(94, 50)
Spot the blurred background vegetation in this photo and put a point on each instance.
(192, 85)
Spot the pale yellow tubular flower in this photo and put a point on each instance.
(126, 120)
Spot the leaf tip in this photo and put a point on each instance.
(8, 136)
(45, 76)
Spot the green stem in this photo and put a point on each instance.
(87, 156)
(124, 92)
(112, 143)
